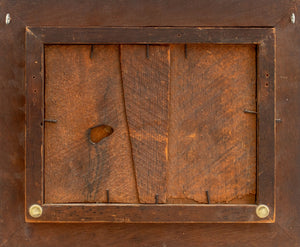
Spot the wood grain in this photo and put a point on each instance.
(83, 91)
(146, 91)
(152, 12)
(151, 35)
(212, 145)
(15, 232)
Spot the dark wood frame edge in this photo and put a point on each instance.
(37, 37)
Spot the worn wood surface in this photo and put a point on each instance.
(144, 213)
(212, 144)
(34, 107)
(150, 13)
(212, 141)
(150, 35)
(15, 232)
(266, 114)
(146, 80)
(84, 90)
(263, 37)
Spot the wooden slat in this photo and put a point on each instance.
(146, 93)
(152, 13)
(150, 35)
(34, 115)
(212, 142)
(148, 213)
(84, 90)
(266, 130)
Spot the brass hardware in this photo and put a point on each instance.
(35, 211)
(262, 211)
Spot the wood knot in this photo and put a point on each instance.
(97, 133)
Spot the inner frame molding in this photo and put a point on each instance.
(37, 37)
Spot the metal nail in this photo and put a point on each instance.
(50, 120)
(252, 112)
(207, 196)
(147, 51)
(107, 196)
(92, 50)
(156, 199)
(278, 120)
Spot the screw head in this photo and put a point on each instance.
(35, 211)
(7, 19)
(262, 211)
(293, 18)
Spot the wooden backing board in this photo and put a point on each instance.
(130, 88)
(212, 141)
(83, 90)
(146, 80)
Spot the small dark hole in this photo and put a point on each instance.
(179, 35)
(98, 133)
(34, 90)
(33, 77)
(267, 75)
(267, 84)
(41, 123)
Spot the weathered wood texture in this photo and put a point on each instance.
(150, 35)
(212, 141)
(150, 13)
(285, 232)
(83, 90)
(146, 90)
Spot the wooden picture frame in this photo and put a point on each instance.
(263, 38)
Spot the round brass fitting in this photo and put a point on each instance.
(262, 211)
(35, 211)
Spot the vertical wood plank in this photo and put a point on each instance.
(83, 90)
(146, 76)
(212, 145)
(34, 114)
